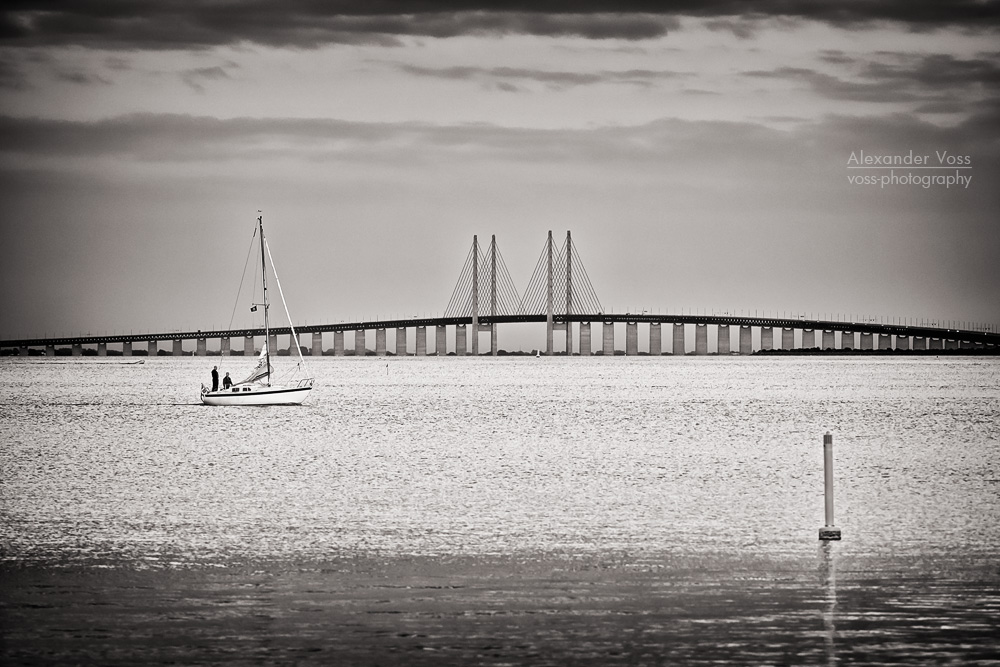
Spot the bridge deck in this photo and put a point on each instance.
(984, 337)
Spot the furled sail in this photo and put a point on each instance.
(263, 368)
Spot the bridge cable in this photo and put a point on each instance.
(533, 302)
(588, 286)
(464, 279)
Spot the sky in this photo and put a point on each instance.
(705, 158)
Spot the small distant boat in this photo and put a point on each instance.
(259, 388)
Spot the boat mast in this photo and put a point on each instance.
(263, 280)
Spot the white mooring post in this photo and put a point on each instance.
(829, 531)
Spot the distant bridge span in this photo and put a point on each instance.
(811, 333)
(559, 294)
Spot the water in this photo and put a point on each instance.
(642, 472)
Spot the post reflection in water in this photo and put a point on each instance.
(828, 579)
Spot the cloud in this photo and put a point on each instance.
(303, 24)
(157, 138)
(933, 80)
(833, 87)
(937, 71)
(836, 57)
(201, 143)
(12, 76)
(505, 78)
(82, 78)
(194, 77)
(748, 26)
(172, 24)
(117, 63)
(184, 139)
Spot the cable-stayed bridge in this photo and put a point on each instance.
(560, 294)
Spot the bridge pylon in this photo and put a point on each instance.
(557, 292)
(484, 272)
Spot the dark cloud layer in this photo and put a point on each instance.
(505, 77)
(939, 80)
(132, 24)
(179, 137)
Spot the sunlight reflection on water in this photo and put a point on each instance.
(634, 456)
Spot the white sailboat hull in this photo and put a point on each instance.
(257, 396)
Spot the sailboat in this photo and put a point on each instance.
(261, 387)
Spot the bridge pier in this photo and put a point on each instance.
(631, 339)
(495, 340)
(421, 341)
(808, 339)
(272, 344)
(724, 342)
(248, 346)
(152, 348)
(902, 342)
(677, 346)
(50, 350)
(359, 343)
(884, 341)
(317, 344)
(585, 348)
(488, 329)
(609, 339)
(866, 340)
(22, 351)
(380, 342)
(787, 338)
(767, 338)
(655, 339)
(338, 343)
(224, 344)
(746, 339)
(701, 339)
(847, 340)
(102, 350)
(401, 341)
(919, 343)
(557, 326)
(201, 348)
(127, 348)
(77, 350)
(178, 347)
(460, 346)
(829, 340)
(441, 340)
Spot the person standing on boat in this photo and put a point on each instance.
(227, 382)
(215, 378)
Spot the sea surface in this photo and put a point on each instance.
(703, 471)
